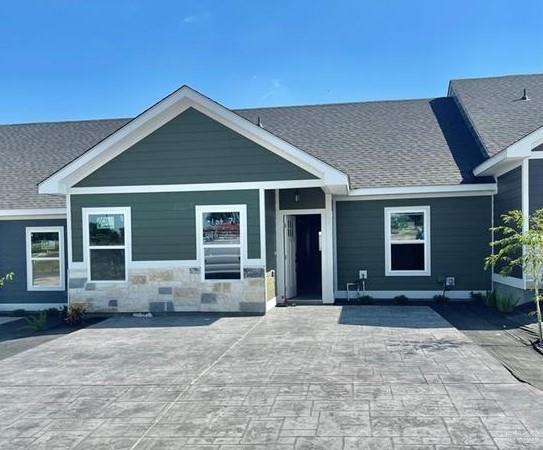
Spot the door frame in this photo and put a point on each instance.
(327, 257)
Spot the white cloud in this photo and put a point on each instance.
(196, 17)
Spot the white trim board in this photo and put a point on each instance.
(518, 283)
(415, 295)
(518, 150)
(36, 213)
(249, 185)
(420, 191)
(164, 111)
(29, 258)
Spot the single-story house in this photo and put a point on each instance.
(192, 206)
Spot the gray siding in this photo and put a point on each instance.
(192, 148)
(459, 242)
(13, 259)
(270, 230)
(508, 198)
(536, 184)
(164, 224)
(310, 198)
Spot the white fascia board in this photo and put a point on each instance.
(13, 214)
(519, 150)
(287, 184)
(164, 111)
(419, 191)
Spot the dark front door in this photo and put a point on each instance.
(308, 255)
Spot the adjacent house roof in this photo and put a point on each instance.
(496, 111)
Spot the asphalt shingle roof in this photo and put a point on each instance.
(494, 108)
(378, 144)
(31, 152)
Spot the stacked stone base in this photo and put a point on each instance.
(171, 289)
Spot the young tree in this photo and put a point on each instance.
(519, 243)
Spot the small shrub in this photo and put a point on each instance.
(400, 300)
(491, 298)
(477, 296)
(18, 313)
(365, 299)
(75, 314)
(441, 298)
(506, 303)
(54, 313)
(36, 322)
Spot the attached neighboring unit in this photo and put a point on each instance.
(191, 206)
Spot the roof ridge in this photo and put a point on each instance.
(497, 77)
(51, 122)
(310, 105)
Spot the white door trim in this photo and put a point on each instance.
(327, 259)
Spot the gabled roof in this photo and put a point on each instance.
(382, 144)
(402, 143)
(31, 152)
(495, 110)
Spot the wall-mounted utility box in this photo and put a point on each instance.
(362, 274)
(450, 281)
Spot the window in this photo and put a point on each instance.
(107, 238)
(221, 237)
(407, 241)
(45, 258)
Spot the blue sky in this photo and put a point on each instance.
(78, 59)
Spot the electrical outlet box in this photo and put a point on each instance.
(450, 281)
(362, 274)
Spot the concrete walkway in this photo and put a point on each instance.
(352, 377)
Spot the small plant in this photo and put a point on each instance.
(400, 300)
(36, 322)
(18, 313)
(365, 299)
(506, 303)
(478, 296)
(75, 314)
(54, 313)
(491, 299)
(441, 298)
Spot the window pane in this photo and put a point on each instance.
(221, 228)
(107, 265)
(106, 229)
(407, 256)
(407, 226)
(44, 244)
(222, 263)
(46, 273)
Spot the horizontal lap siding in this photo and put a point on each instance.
(164, 224)
(192, 148)
(309, 198)
(459, 242)
(536, 184)
(508, 198)
(13, 259)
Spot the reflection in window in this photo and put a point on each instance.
(221, 240)
(107, 246)
(407, 241)
(45, 259)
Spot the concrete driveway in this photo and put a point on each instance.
(352, 377)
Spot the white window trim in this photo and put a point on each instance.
(200, 210)
(29, 258)
(427, 239)
(126, 211)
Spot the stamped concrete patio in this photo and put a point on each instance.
(352, 377)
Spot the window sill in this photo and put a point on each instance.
(406, 273)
